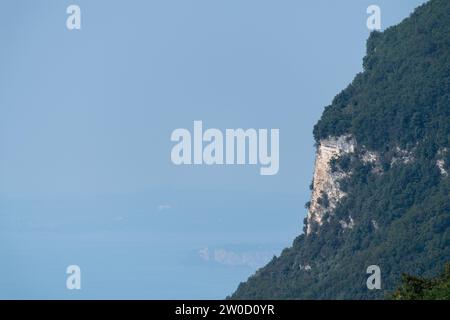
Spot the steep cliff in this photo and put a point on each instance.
(381, 188)
(326, 191)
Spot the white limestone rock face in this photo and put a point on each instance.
(373, 158)
(440, 163)
(402, 156)
(347, 224)
(326, 182)
(327, 192)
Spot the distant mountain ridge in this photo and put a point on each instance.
(381, 187)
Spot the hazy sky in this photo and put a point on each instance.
(85, 124)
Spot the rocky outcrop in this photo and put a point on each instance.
(326, 191)
(402, 156)
(440, 163)
(347, 224)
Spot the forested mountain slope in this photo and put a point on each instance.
(381, 188)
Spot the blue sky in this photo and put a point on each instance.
(85, 124)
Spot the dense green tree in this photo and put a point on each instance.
(417, 288)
